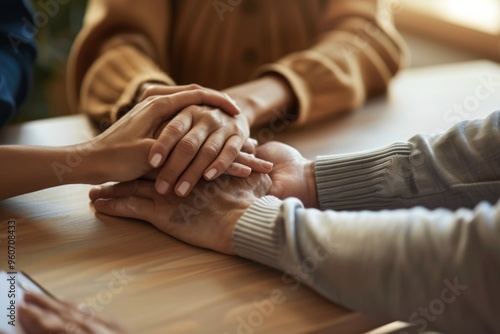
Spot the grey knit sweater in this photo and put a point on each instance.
(409, 232)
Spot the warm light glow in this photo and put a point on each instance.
(482, 15)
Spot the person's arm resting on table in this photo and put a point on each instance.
(352, 55)
(118, 154)
(390, 263)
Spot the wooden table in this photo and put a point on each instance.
(155, 284)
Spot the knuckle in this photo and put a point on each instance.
(232, 151)
(195, 87)
(192, 109)
(132, 205)
(211, 118)
(159, 102)
(210, 151)
(199, 93)
(188, 145)
(148, 91)
(175, 128)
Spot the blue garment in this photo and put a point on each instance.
(17, 55)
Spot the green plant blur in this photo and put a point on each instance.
(47, 95)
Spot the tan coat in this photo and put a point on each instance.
(334, 54)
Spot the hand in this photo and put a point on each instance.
(242, 166)
(292, 175)
(198, 142)
(121, 152)
(206, 218)
(40, 314)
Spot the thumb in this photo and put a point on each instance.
(127, 207)
(265, 151)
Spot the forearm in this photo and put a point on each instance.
(27, 168)
(353, 58)
(390, 264)
(452, 170)
(265, 100)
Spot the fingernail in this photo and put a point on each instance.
(162, 187)
(211, 173)
(254, 141)
(99, 203)
(247, 170)
(94, 192)
(267, 165)
(183, 188)
(155, 160)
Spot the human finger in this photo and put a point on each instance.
(37, 320)
(238, 170)
(185, 151)
(127, 207)
(124, 189)
(151, 90)
(250, 146)
(211, 150)
(256, 164)
(226, 157)
(169, 137)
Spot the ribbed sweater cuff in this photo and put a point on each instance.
(358, 181)
(258, 236)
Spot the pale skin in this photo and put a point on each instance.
(119, 154)
(210, 227)
(187, 145)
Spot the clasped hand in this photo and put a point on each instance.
(201, 139)
(192, 141)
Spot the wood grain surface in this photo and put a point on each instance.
(153, 283)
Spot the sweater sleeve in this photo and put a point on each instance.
(17, 55)
(353, 59)
(106, 68)
(456, 169)
(436, 269)
(427, 252)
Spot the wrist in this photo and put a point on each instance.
(227, 244)
(250, 106)
(262, 98)
(88, 163)
(312, 189)
(233, 217)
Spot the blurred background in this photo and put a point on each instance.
(48, 93)
(437, 32)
